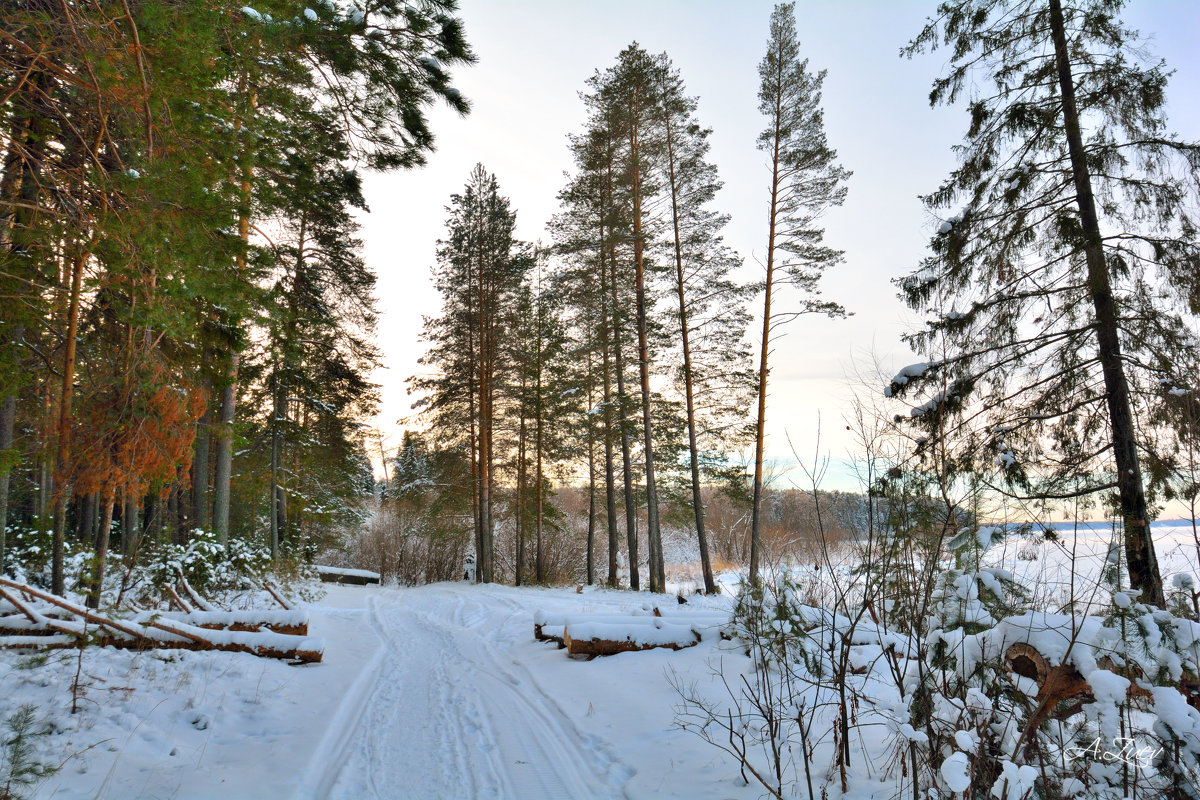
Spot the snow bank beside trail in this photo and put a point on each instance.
(186, 724)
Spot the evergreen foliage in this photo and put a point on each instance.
(176, 234)
(806, 181)
(1061, 283)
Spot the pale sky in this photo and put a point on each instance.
(534, 57)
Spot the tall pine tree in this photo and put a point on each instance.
(806, 181)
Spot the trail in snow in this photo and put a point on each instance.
(452, 714)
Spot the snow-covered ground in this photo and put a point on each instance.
(432, 692)
(435, 692)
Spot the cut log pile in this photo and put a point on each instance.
(31, 618)
(606, 634)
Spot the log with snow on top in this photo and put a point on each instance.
(356, 577)
(145, 630)
(292, 622)
(549, 627)
(593, 639)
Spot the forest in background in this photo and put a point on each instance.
(186, 334)
(188, 320)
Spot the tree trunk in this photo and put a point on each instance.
(627, 462)
(175, 531)
(760, 425)
(153, 524)
(63, 455)
(483, 561)
(1139, 548)
(200, 516)
(8, 416)
(591, 444)
(106, 515)
(223, 474)
(85, 510)
(476, 518)
(520, 504)
(610, 489)
(223, 471)
(17, 183)
(274, 494)
(539, 564)
(685, 340)
(129, 526)
(654, 539)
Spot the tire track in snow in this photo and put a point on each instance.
(493, 639)
(331, 753)
(448, 718)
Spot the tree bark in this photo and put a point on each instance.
(223, 474)
(106, 515)
(1144, 573)
(539, 411)
(17, 182)
(483, 560)
(653, 535)
(63, 455)
(760, 425)
(129, 526)
(200, 516)
(627, 462)
(8, 416)
(223, 471)
(610, 489)
(274, 496)
(591, 444)
(520, 504)
(685, 340)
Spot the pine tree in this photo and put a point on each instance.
(1073, 254)
(806, 181)
(545, 384)
(711, 313)
(480, 270)
(632, 93)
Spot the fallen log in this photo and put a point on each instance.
(278, 598)
(1063, 691)
(593, 639)
(150, 631)
(177, 600)
(19, 605)
(548, 627)
(354, 577)
(198, 601)
(292, 623)
(550, 633)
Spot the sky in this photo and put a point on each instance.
(533, 59)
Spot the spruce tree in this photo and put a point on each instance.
(1062, 281)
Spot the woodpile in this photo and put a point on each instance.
(31, 618)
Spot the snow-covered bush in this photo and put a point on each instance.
(28, 550)
(207, 564)
(215, 570)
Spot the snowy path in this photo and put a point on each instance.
(453, 714)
